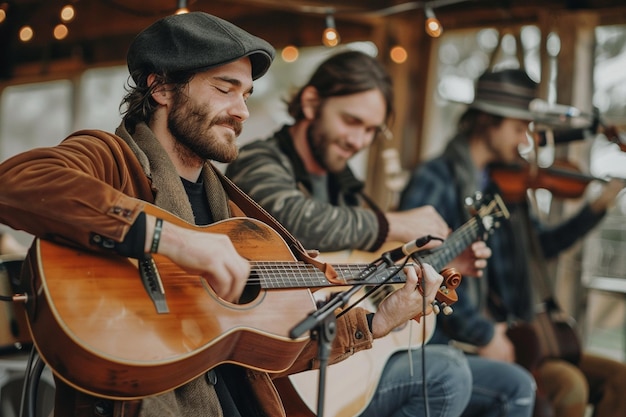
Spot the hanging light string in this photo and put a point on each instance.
(351, 12)
(432, 25)
(330, 36)
(182, 7)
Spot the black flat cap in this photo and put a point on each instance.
(196, 41)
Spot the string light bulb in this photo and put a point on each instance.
(67, 13)
(182, 7)
(3, 11)
(433, 25)
(398, 54)
(330, 37)
(60, 32)
(290, 53)
(26, 33)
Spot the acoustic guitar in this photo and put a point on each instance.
(120, 328)
(351, 383)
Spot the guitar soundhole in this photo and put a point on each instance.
(250, 293)
(250, 297)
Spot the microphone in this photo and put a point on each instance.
(407, 249)
(542, 108)
(562, 135)
(565, 135)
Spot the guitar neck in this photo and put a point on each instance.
(452, 247)
(351, 273)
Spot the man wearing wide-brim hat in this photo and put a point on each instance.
(493, 130)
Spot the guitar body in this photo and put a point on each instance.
(351, 383)
(551, 335)
(94, 324)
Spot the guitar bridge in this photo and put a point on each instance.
(153, 284)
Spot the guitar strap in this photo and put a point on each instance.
(553, 327)
(540, 275)
(253, 209)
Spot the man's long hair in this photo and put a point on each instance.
(343, 74)
(138, 102)
(474, 122)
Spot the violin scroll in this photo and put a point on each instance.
(446, 294)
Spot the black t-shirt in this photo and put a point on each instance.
(233, 390)
(231, 384)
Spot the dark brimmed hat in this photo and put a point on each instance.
(505, 93)
(196, 41)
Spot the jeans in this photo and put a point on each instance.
(400, 391)
(499, 389)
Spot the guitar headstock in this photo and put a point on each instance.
(488, 209)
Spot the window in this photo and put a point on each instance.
(34, 115)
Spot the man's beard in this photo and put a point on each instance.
(318, 142)
(191, 126)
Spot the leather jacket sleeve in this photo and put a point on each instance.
(78, 192)
(352, 335)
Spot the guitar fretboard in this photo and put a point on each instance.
(276, 275)
(456, 243)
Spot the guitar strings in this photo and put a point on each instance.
(286, 274)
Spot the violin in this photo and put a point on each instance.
(563, 179)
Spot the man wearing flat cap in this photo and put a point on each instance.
(493, 130)
(97, 191)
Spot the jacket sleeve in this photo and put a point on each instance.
(75, 193)
(558, 238)
(352, 336)
(267, 176)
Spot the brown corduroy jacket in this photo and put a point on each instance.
(88, 191)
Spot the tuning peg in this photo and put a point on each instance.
(436, 308)
(447, 310)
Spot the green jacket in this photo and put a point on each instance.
(272, 173)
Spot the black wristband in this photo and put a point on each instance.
(134, 243)
(156, 237)
(370, 318)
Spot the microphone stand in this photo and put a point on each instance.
(322, 323)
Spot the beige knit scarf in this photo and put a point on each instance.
(170, 192)
(196, 398)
